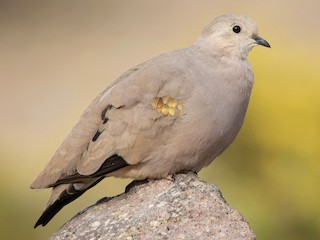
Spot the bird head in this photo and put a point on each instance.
(233, 35)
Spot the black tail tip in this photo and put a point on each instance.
(38, 223)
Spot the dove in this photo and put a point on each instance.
(173, 113)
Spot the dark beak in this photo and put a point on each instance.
(261, 41)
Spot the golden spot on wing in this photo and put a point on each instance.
(172, 103)
(167, 105)
(165, 110)
(172, 111)
(166, 99)
(154, 102)
(160, 103)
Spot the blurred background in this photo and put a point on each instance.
(56, 56)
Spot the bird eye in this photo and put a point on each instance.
(236, 29)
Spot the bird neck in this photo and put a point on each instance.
(212, 57)
(222, 50)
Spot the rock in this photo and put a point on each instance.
(185, 207)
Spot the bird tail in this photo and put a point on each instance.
(62, 195)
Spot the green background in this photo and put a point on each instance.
(56, 56)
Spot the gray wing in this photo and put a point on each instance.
(128, 119)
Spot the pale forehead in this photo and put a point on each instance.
(235, 19)
(230, 20)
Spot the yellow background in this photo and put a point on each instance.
(56, 56)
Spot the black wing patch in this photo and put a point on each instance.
(112, 164)
(95, 137)
(105, 120)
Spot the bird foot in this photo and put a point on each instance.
(135, 183)
(105, 199)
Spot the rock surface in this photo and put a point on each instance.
(183, 208)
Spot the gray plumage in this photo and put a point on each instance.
(176, 112)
